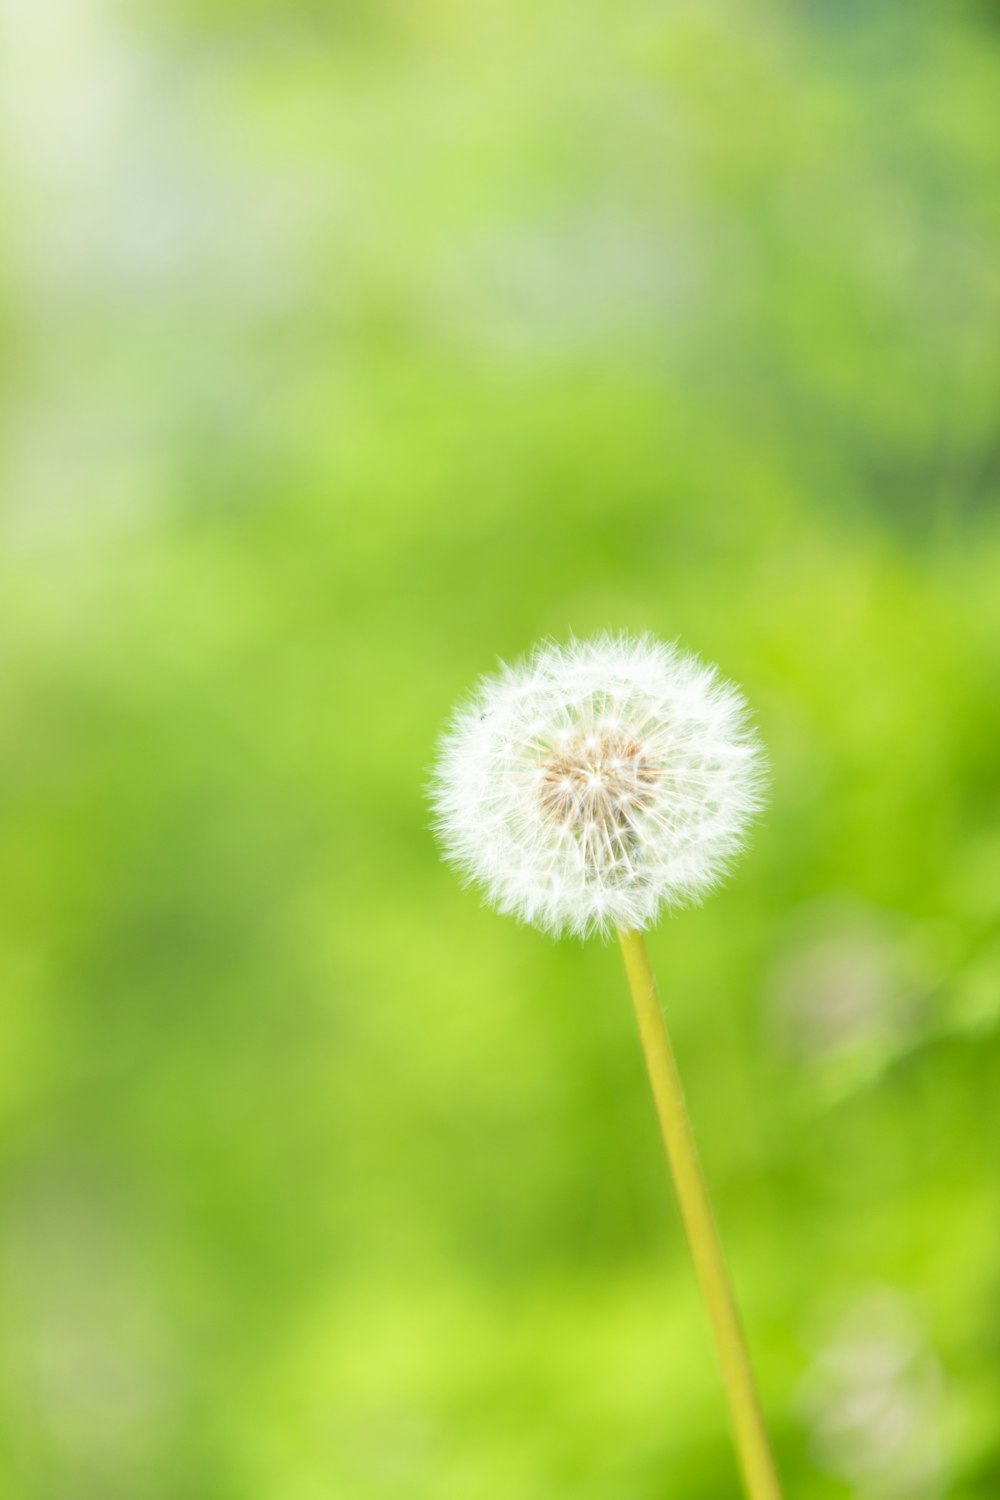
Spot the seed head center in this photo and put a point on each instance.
(597, 781)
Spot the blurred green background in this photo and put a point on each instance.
(348, 348)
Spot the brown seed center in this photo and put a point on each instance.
(597, 781)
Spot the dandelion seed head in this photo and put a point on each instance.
(594, 784)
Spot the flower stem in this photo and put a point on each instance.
(753, 1450)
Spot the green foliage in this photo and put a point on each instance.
(346, 354)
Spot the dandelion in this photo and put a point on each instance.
(586, 790)
(874, 1398)
(597, 783)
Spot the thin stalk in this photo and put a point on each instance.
(752, 1447)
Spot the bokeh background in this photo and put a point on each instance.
(348, 348)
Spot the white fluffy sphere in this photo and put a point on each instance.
(593, 784)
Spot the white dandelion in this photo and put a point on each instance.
(594, 784)
(586, 789)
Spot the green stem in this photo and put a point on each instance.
(753, 1450)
